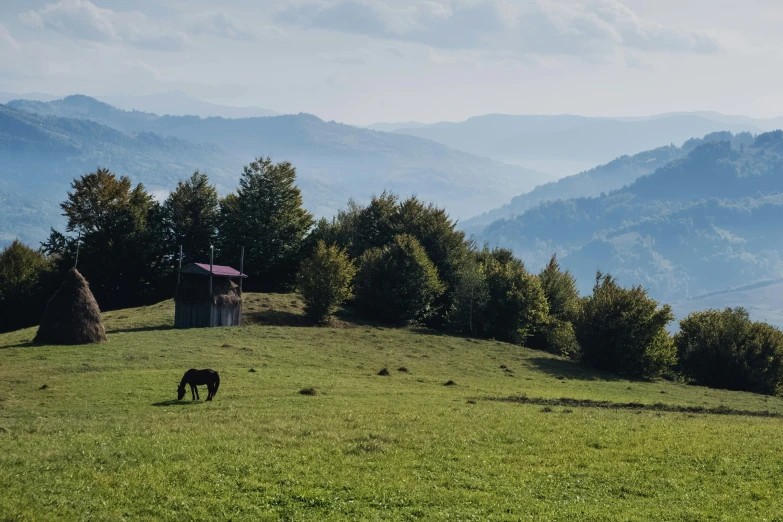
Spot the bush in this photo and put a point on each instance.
(325, 281)
(557, 337)
(622, 330)
(398, 282)
(725, 349)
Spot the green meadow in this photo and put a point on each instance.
(94, 433)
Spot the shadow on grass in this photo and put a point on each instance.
(175, 402)
(275, 318)
(28, 344)
(562, 369)
(141, 329)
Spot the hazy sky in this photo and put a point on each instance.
(361, 61)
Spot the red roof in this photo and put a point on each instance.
(217, 270)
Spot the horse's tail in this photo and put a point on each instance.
(217, 383)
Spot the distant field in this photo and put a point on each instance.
(92, 433)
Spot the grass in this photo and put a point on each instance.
(315, 434)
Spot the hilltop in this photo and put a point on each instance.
(98, 427)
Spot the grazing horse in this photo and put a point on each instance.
(199, 377)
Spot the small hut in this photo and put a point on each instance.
(206, 296)
(72, 315)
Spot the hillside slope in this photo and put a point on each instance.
(95, 429)
(602, 179)
(700, 224)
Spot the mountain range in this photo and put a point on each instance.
(44, 145)
(561, 145)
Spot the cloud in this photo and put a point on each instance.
(7, 41)
(84, 20)
(597, 27)
(221, 25)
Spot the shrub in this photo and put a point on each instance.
(622, 330)
(398, 282)
(557, 337)
(325, 281)
(516, 305)
(725, 349)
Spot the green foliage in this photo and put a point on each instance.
(122, 252)
(516, 305)
(557, 337)
(561, 291)
(725, 349)
(25, 286)
(359, 229)
(471, 295)
(267, 218)
(622, 330)
(398, 282)
(192, 215)
(325, 280)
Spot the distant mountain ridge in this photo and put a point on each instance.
(551, 144)
(44, 145)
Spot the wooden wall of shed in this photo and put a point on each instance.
(203, 315)
(191, 315)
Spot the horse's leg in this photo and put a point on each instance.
(210, 387)
(196, 388)
(193, 392)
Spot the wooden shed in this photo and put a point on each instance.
(207, 296)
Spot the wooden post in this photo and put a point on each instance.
(211, 262)
(179, 275)
(241, 268)
(78, 244)
(241, 271)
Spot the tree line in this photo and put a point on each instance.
(397, 261)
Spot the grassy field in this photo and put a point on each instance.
(93, 432)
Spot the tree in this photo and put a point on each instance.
(267, 218)
(325, 281)
(398, 282)
(516, 305)
(725, 349)
(470, 298)
(122, 252)
(25, 286)
(622, 330)
(560, 290)
(192, 215)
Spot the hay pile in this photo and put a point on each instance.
(196, 290)
(72, 315)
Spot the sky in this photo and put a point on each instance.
(364, 61)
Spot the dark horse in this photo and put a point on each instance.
(199, 377)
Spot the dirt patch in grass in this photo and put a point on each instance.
(384, 372)
(402, 369)
(308, 391)
(449, 383)
(657, 407)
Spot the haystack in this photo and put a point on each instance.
(72, 315)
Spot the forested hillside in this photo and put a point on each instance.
(704, 223)
(602, 179)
